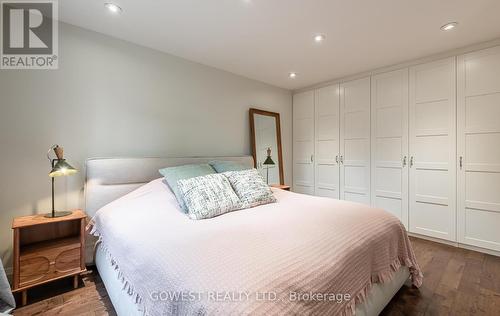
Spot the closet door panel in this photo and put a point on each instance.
(327, 142)
(303, 142)
(431, 118)
(479, 148)
(481, 70)
(388, 120)
(303, 132)
(357, 125)
(432, 172)
(389, 143)
(482, 112)
(388, 150)
(302, 153)
(355, 197)
(355, 141)
(324, 185)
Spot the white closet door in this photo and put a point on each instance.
(355, 140)
(479, 148)
(389, 143)
(303, 142)
(433, 149)
(327, 142)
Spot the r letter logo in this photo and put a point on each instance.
(29, 35)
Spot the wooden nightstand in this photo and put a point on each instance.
(281, 186)
(47, 249)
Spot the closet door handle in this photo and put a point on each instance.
(312, 158)
(337, 159)
(461, 162)
(411, 161)
(404, 161)
(341, 159)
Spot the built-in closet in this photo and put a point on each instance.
(422, 142)
(355, 140)
(331, 138)
(389, 143)
(327, 142)
(432, 181)
(303, 142)
(478, 141)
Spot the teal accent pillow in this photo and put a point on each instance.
(223, 166)
(174, 174)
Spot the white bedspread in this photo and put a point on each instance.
(257, 261)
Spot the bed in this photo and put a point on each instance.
(147, 250)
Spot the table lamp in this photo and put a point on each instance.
(59, 168)
(268, 162)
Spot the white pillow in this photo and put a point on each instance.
(208, 196)
(250, 187)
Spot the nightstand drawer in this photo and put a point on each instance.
(33, 270)
(49, 260)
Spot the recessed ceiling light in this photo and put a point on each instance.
(318, 38)
(113, 8)
(292, 75)
(449, 26)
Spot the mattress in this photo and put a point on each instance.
(301, 244)
(376, 300)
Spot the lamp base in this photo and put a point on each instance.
(58, 214)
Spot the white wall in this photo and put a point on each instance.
(113, 98)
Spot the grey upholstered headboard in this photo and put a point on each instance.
(108, 179)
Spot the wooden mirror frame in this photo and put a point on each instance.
(276, 116)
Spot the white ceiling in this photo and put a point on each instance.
(266, 39)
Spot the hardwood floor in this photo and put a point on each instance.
(59, 298)
(456, 282)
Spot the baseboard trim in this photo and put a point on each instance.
(456, 244)
(479, 249)
(439, 240)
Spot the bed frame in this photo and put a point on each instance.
(110, 178)
(107, 179)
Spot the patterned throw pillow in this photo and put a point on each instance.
(250, 187)
(174, 174)
(208, 196)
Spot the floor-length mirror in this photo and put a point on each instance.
(266, 145)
